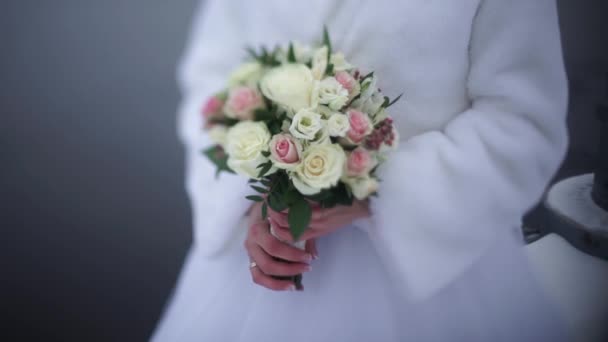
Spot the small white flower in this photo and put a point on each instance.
(325, 111)
(332, 93)
(322, 136)
(319, 63)
(338, 125)
(339, 62)
(306, 124)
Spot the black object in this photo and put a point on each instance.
(600, 183)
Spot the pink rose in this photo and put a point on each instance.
(360, 126)
(242, 103)
(285, 151)
(346, 80)
(212, 107)
(359, 163)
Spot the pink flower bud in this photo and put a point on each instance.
(346, 80)
(359, 162)
(212, 107)
(360, 126)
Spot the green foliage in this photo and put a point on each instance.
(264, 211)
(299, 218)
(219, 158)
(264, 57)
(329, 198)
(387, 103)
(291, 56)
(264, 168)
(259, 189)
(329, 70)
(255, 198)
(223, 121)
(264, 115)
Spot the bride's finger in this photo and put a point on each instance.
(279, 232)
(311, 247)
(279, 218)
(274, 247)
(269, 282)
(271, 266)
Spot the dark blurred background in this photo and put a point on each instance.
(95, 221)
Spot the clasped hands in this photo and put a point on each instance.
(273, 253)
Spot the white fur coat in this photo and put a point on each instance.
(482, 125)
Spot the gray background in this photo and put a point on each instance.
(94, 218)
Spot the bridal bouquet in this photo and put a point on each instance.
(305, 126)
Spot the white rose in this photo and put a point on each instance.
(246, 74)
(246, 142)
(321, 168)
(305, 124)
(338, 125)
(319, 63)
(332, 93)
(218, 134)
(339, 62)
(363, 187)
(290, 85)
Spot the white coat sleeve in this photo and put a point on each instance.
(447, 195)
(215, 47)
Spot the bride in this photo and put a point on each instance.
(439, 255)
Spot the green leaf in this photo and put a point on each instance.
(291, 56)
(292, 196)
(252, 53)
(366, 77)
(327, 41)
(386, 102)
(276, 202)
(393, 102)
(259, 189)
(255, 198)
(299, 218)
(320, 196)
(266, 154)
(267, 166)
(330, 69)
(263, 115)
(261, 165)
(264, 211)
(219, 158)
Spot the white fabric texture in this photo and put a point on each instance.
(482, 131)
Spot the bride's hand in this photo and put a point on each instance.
(264, 249)
(323, 221)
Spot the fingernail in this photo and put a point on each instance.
(291, 288)
(307, 257)
(315, 256)
(308, 268)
